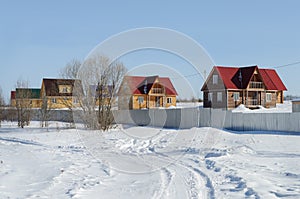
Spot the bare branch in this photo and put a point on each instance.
(71, 69)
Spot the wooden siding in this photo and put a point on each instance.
(150, 101)
(231, 103)
(30, 103)
(279, 97)
(215, 103)
(211, 86)
(273, 100)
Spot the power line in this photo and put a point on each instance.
(196, 74)
(290, 64)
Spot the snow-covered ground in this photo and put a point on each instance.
(145, 162)
(285, 107)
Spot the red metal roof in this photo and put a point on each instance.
(13, 95)
(136, 84)
(272, 80)
(226, 74)
(239, 77)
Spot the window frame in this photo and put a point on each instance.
(268, 97)
(75, 100)
(169, 100)
(53, 100)
(236, 96)
(141, 99)
(215, 79)
(210, 97)
(219, 97)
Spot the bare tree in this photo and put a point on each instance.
(45, 112)
(71, 69)
(101, 79)
(23, 103)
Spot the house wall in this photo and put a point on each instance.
(173, 101)
(125, 102)
(279, 97)
(214, 88)
(32, 103)
(273, 101)
(61, 102)
(152, 101)
(231, 104)
(136, 104)
(13, 102)
(215, 103)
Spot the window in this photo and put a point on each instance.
(141, 99)
(269, 97)
(210, 97)
(53, 100)
(215, 79)
(236, 96)
(169, 100)
(75, 101)
(219, 96)
(64, 88)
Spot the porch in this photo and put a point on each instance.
(253, 99)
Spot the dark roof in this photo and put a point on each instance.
(52, 89)
(29, 93)
(136, 84)
(12, 94)
(231, 77)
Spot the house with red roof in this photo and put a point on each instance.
(139, 92)
(228, 87)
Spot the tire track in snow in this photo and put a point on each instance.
(166, 179)
(193, 181)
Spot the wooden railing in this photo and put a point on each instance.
(256, 85)
(157, 90)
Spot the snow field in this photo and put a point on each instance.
(145, 162)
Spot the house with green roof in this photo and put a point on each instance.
(28, 96)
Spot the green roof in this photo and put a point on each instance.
(30, 93)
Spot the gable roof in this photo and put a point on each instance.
(52, 86)
(272, 80)
(136, 84)
(239, 77)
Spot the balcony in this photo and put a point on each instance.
(157, 90)
(256, 85)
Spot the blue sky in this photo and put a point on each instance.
(38, 38)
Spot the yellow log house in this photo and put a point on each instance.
(59, 93)
(138, 92)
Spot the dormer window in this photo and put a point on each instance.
(64, 88)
